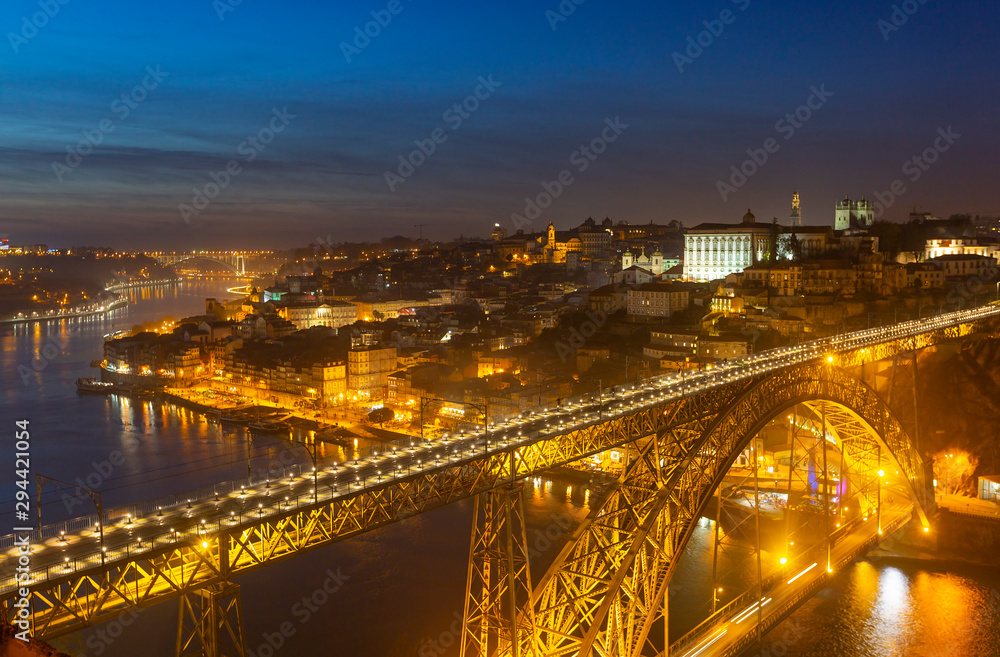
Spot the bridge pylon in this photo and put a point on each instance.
(210, 623)
(498, 618)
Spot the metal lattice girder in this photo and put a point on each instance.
(683, 458)
(731, 510)
(210, 623)
(498, 615)
(67, 602)
(604, 592)
(886, 350)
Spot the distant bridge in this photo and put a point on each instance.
(235, 260)
(678, 437)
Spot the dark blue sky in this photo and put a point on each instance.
(323, 174)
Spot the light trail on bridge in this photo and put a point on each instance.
(197, 523)
(739, 624)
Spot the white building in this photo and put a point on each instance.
(959, 246)
(656, 264)
(634, 275)
(712, 251)
(332, 314)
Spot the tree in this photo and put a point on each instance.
(953, 470)
(772, 241)
(794, 247)
(381, 415)
(889, 237)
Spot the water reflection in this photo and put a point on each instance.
(407, 580)
(880, 609)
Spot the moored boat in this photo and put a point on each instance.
(268, 427)
(91, 386)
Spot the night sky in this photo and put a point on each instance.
(224, 69)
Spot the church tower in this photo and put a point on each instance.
(796, 217)
(656, 264)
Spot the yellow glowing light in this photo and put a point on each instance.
(829, 359)
(881, 473)
(782, 561)
(204, 544)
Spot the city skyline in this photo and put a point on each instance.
(338, 109)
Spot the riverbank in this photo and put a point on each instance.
(134, 285)
(102, 310)
(954, 540)
(194, 399)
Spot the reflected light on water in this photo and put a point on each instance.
(891, 623)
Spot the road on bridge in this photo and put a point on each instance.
(734, 624)
(55, 555)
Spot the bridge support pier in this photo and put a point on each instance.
(498, 618)
(210, 623)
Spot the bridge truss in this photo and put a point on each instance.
(607, 589)
(235, 261)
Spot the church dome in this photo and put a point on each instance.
(748, 218)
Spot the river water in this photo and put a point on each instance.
(399, 590)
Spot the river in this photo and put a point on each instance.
(399, 590)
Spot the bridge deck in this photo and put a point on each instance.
(157, 554)
(735, 627)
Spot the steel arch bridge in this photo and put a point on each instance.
(606, 590)
(232, 259)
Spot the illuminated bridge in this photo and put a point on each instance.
(690, 448)
(235, 260)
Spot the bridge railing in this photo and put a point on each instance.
(816, 554)
(623, 393)
(157, 538)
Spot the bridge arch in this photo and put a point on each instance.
(237, 263)
(607, 588)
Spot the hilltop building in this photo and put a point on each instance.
(854, 214)
(795, 219)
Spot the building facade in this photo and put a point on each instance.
(368, 370)
(712, 251)
(658, 300)
(854, 214)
